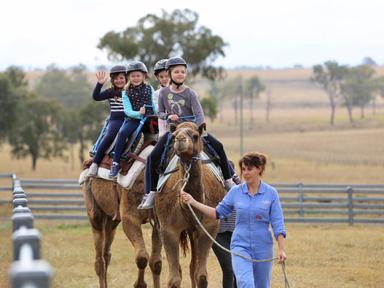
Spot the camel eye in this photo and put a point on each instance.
(195, 138)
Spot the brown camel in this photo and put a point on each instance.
(99, 197)
(175, 218)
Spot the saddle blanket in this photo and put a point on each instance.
(125, 181)
(175, 160)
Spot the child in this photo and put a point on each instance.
(136, 94)
(175, 101)
(161, 75)
(118, 75)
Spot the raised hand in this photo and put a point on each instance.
(101, 77)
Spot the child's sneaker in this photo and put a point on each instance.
(115, 168)
(228, 184)
(236, 179)
(148, 201)
(93, 170)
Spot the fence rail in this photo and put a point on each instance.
(302, 203)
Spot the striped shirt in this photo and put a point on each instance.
(228, 223)
(114, 98)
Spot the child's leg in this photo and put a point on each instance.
(113, 129)
(125, 131)
(153, 161)
(219, 148)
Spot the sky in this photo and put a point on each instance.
(275, 33)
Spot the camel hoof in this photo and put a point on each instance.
(203, 283)
(140, 285)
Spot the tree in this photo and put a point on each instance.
(330, 76)
(209, 105)
(357, 89)
(36, 132)
(70, 89)
(12, 88)
(253, 88)
(157, 37)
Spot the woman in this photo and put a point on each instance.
(257, 205)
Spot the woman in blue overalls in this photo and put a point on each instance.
(257, 205)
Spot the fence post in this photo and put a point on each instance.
(301, 199)
(350, 205)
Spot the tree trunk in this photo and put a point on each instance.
(349, 108)
(34, 161)
(332, 102)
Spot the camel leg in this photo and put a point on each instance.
(171, 247)
(155, 262)
(135, 235)
(110, 231)
(100, 265)
(192, 265)
(203, 244)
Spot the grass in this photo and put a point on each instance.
(318, 256)
(302, 147)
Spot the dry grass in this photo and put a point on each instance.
(302, 147)
(318, 256)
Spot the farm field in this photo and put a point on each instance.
(302, 147)
(318, 256)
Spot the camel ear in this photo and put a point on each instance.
(172, 127)
(202, 127)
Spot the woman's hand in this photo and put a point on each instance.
(173, 117)
(281, 255)
(186, 198)
(142, 110)
(101, 77)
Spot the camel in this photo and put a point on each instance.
(176, 220)
(99, 198)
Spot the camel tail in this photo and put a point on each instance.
(184, 242)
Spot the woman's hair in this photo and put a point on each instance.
(255, 159)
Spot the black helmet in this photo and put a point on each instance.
(117, 69)
(160, 66)
(137, 66)
(174, 61)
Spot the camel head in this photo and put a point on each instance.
(187, 139)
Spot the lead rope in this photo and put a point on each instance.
(185, 180)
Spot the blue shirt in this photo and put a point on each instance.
(254, 215)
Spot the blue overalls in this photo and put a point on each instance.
(252, 236)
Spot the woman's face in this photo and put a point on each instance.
(119, 81)
(163, 78)
(136, 78)
(179, 73)
(250, 173)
